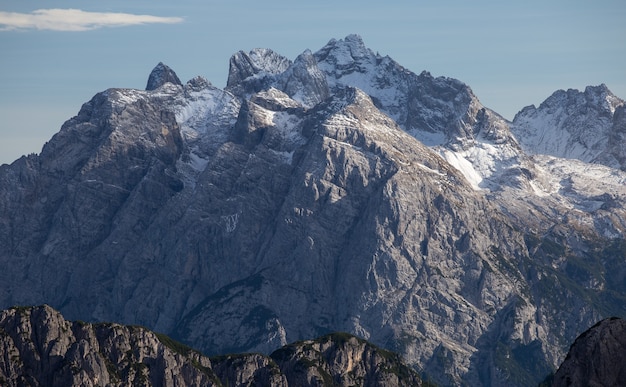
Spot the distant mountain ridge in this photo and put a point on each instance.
(336, 192)
(575, 125)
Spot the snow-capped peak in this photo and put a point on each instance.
(346, 51)
(257, 63)
(570, 124)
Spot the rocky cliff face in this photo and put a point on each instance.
(597, 357)
(38, 347)
(337, 192)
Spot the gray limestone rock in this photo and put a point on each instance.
(341, 359)
(254, 71)
(38, 347)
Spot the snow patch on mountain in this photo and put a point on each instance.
(204, 112)
(442, 113)
(539, 135)
(464, 166)
(589, 186)
(288, 126)
(121, 97)
(204, 116)
(266, 60)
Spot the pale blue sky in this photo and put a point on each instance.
(512, 54)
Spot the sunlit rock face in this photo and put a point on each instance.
(40, 348)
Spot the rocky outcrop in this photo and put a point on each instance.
(38, 347)
(343, 360)
(337, 359)
(161, 75)
(596, 358)
(250, 369)
(304, 81)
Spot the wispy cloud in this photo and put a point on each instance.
(75, 20)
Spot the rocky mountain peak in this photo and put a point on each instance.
(344, 360)
(343, 57)
(253, 71)
(572, 124)
(344, 52)
(161, 75)
(304, 81)
(260, 70)
(572, 100)
(434, 110)
(601, 95)
(198, 83)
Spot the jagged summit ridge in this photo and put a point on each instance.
(346, 53)
(440, 112)
(574, 124)
(414, 102)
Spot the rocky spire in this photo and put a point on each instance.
(160, 75)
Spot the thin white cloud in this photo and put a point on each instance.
(75, 20)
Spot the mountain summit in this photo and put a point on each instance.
(160, 75)
(339, 191)
(574, 124)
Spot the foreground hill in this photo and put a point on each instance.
(335, 192)
(597, 357)
(38, 347)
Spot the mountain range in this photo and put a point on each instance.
(339, 191)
